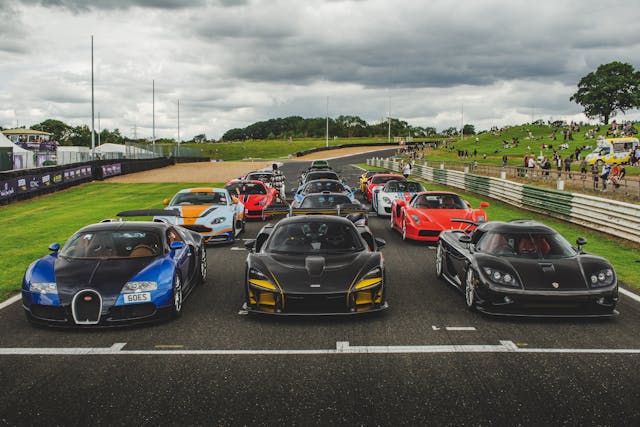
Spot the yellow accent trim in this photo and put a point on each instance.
(226, 230)
(364, 298)
(263, 283)
(368, 282)
(266, 298)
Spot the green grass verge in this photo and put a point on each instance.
(30, 227)
(624, 256)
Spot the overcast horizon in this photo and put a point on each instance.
(231, 63)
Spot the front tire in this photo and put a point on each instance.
(176, 308)
(470, 289)
(440, 260)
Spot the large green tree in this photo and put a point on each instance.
(611, 88)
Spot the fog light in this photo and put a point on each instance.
(508, 300)
(600, 301)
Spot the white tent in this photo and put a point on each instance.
(22, 159)
(117, 151)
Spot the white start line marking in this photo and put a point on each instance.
(342, 347)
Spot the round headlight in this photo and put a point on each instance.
(508, 278)
(594, 279)
(497, 276)
(601, 276)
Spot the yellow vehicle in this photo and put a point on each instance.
(612, 150)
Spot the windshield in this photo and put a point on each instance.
(113, 244)
(246, 188)
(259, 176)
(403, 186)
(200, 198)
(324, 201)
(526, 245)
(439, 201)
(322, 175)
(320, 186)
(315, 237)
(383, 179)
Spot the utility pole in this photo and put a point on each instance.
(99, 128)
(327, 133)
(153, 137)
(178, 152)
(389, 119)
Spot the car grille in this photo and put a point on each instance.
(428, 233)
(316, 303)
(133, 311)
(254, 213)
(86, 307)
(198, 228)
(387, 209)
(48, 312)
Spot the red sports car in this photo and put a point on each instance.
(430, 212)
(255, 196)
(379, 180)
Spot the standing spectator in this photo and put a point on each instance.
(504, 161)
(278, 181)
(594, 173)
(406, 170)
(558, 161)
(606, 170)
(567, 165)
(583, 169)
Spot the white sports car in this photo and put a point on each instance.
(212, 212)
(383, 197)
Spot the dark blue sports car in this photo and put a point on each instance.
(115, 273)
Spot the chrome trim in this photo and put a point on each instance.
(73, 307)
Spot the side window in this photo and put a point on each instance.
(173, 236)
(369, 239)
(262, 237)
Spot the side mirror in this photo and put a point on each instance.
(250, 244)
(54, 247)
(581, 241)
(464, 238)
(401, 203)
(484, 205)
(165, 202)
(380, 243)
(176, 245)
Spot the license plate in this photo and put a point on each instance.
(139, 297)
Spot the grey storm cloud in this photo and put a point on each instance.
(233, 62)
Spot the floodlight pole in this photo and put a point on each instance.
(389, 120)
(327, 133)
(99, 128)
(178, 153)
(93, 136)
(153, 90)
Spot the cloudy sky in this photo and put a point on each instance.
(230, 63)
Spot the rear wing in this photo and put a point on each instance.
(345, 209)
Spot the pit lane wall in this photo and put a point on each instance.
(613, 217)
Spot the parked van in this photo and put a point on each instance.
(612, 150)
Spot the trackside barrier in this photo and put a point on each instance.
(619, 219)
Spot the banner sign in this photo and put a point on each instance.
(111, 170)
(13, 187)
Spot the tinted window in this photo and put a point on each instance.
(383, 179)
(246, 188)
(111, 244)
(259, 176)
(525, 245)
(403, 186)
(439, 201)
(315, 237)
(324, 201)
(320, 186)
(322, 175)
(200, 198)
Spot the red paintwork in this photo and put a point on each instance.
(252, 201)
(435, 220)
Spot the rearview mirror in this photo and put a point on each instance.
(176, 245)
(54, 247)
(165, 202)
(250, 244)
(484, 205)
(581, 241)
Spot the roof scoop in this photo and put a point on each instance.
(314, 265)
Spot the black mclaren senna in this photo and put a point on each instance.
(317, 265)
(525, 268)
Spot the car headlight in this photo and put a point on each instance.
(44, 287)
(262, 202)
(500, 277)
(416, 218)
(132, 287)
(386, 199)
(603, 277)
(261, 280)
(219, 220)
(370, 280)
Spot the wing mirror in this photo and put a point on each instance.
(581, 241)
(54, 247)
(176, 245)
(381, 243)
(250, 244)
(484, 205)
(464, 239)
(401, 203)
(165, 202)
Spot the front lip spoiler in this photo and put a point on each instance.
(489, 312)
(350, 313)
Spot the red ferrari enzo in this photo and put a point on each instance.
(430, 212)
(255, 196)
(379, 180)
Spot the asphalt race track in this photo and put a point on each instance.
(425, 361)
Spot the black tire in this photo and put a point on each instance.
(471, 279)
(440, 260)
(176, 300)
(202, 266)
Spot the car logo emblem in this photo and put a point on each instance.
(556, 285)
